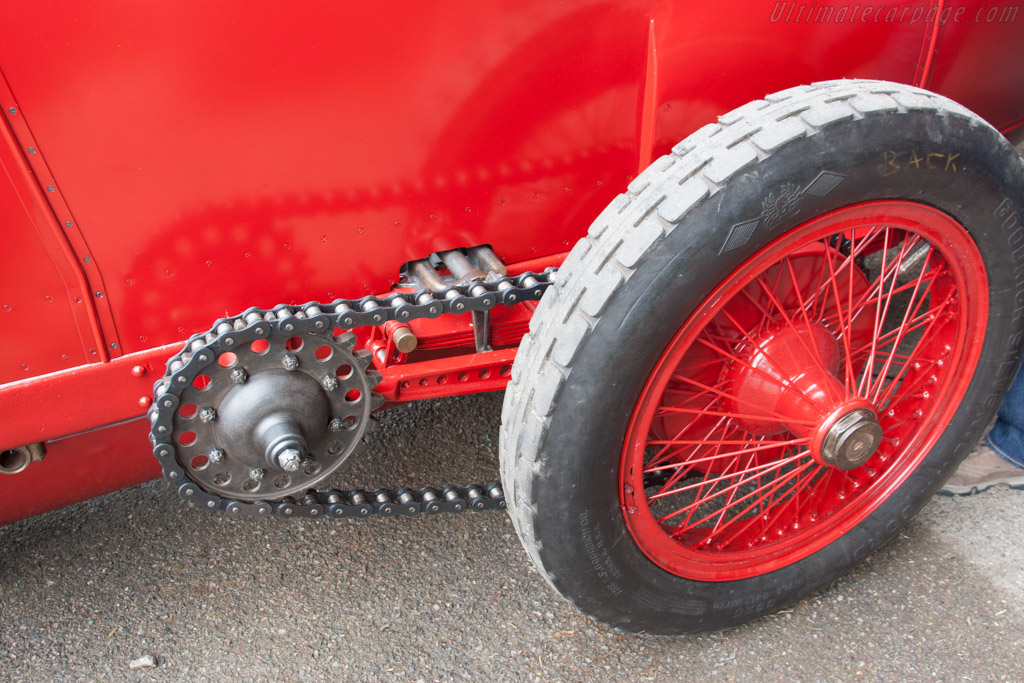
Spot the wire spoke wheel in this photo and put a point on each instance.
(767, 355)
(806, 387)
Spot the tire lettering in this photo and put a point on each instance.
(915, 160)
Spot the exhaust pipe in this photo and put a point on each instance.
(14, 460)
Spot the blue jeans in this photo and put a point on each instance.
(1007, 436)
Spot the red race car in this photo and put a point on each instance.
(233, 234)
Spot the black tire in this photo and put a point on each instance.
(653, 256)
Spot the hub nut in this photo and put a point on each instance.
(239, 375)
(208, 415)
(256, 474)
(290, 362)
(290, 460)
(330, 383)
(216, 455)
(852, 440)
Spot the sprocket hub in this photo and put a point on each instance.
(274, 417)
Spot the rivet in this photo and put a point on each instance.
(51, 188)
(68, 224)
(139, 371)
(31, 150)
(189, 492)
(211, 503)
(113, 345)
(87, 259)
(173, 475)
(99, 295)
(12, 110)
(145, 402)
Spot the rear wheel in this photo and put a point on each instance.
(766, 356)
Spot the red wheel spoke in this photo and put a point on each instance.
(792, 477)
(664, 410)
(902, 329)
(810, 349)
(739, 361)
(848, 362)
(667, 451)
(881, 396)
(760, 348)
(746, 476)
(769, 413)
(762, 492)
(879, 315)
(864, 302)
(848, 263)
(669, 454)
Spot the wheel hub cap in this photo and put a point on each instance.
(852, 440)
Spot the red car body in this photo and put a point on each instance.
(166, 166)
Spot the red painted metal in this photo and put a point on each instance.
(735, 411)
(80, 467)
(80, 399)
(448, 376)
(42, 284)
(188, 163)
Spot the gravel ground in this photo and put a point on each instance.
(86, 590)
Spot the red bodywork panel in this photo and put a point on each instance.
(168, 165)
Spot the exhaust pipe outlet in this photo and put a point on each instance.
(14, 460)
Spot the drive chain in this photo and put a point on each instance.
(314, 318)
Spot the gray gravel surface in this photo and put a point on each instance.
(86, 590)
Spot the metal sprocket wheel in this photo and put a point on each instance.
(274, 417)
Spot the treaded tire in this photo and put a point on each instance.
(653, 256)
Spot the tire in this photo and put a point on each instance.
(814, 426)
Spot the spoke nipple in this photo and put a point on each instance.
(330, 383)
(208, 415)
(256, 474)
(216, 455)
(239, 375)
(290, 362)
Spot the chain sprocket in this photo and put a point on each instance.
(219, 354)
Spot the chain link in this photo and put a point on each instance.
(202, 350)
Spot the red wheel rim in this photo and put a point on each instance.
(804, 390)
